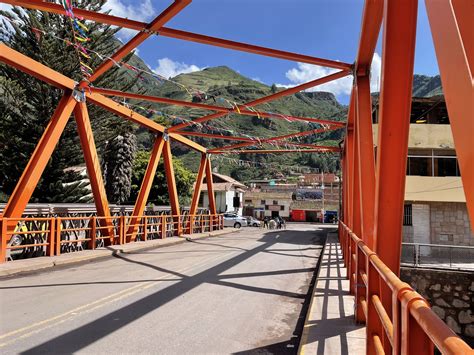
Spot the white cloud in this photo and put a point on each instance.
(169, 68)
(307, 72)
(376, 70)
(139, 11)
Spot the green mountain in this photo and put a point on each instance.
(426, 86)
(211, 86)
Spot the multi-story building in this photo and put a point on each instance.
(435, 205)
(267, 204)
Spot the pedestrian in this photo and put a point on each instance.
(265, 222)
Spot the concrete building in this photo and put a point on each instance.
(267, 204)
(435, 205)
(228, 193)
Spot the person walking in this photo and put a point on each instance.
(265, 222)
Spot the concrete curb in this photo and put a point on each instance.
(16, 267)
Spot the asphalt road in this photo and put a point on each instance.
(237, 293)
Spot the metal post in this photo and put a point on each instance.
(91, 158)
(451, 27)
(145, 188)
(170, 179)
(40, 158)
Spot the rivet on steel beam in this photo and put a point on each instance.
(166, 136)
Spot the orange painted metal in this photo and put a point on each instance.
(268, 140)
(273, 151)
(170, 179)
(27, 65)
(244, 112)
(210, 188)
(184, 35)
(145, 188)
(39, 159)
(198, 185)
(453, 37)
(135, 117)
(155, 25)
(366, 162)
(369, 33)
(42, 72)
(392, 148)
(268, 98)
(92, 163)
(412, 327)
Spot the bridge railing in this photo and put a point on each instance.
(49, 236)
(408, 325)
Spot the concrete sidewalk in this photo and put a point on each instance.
(329, 326)
(34, 264)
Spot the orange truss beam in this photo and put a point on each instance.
(453, 37)
(267, 140)
(265, 99)
(271, 151)
(171, 182)
(184, 35)
(155, 25)
(44, 73)
(145, 188)
(40, 158)
(198, 186)
(245, 112)
(94, 172)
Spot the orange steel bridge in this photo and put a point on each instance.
(399, 320)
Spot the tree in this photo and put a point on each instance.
(27, 104)
(274, 88)
(159, 193)
(117, 164)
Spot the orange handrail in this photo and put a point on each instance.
(410, 326)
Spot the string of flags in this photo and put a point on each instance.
(85, 54)
(256, 164)
(203, 126)
(80, 37)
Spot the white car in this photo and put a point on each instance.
(253, 222)
(233, 220)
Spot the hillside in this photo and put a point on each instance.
(223, 82)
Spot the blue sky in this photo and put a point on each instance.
(323, 28)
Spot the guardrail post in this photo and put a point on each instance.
(360, 289)
(211, 222)
(202, 223)
(373, 324)
(58, 235)
(3, 240)
(163, 226)
(145, 227)
(121, 229)
(93, 231)
(51, 236)
(414, 339)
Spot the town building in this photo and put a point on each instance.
(260, 204)
(435, 204)
(228, 194)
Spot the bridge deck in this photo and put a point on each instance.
(242, 292)
(329, 327)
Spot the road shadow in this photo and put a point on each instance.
(85, 335)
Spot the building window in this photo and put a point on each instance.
(266, 207)
(248, 201)
(282, 208)
(428, 162)
(275, 202)
(262, 202)
(407, 215)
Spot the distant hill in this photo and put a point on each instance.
(426, 86)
